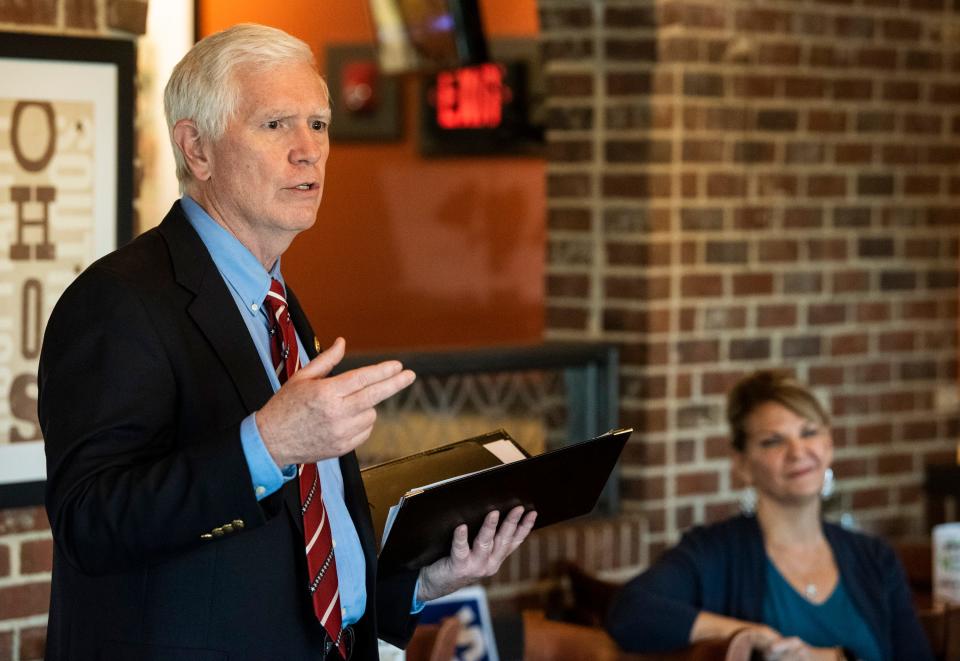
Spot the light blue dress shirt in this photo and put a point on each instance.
(248, 282)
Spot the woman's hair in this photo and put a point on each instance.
(203, 87)
(766, 386)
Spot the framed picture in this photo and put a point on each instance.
(66, 198)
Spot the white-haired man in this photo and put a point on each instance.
(203, 491)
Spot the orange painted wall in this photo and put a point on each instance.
(411, 252)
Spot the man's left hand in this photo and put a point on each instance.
(466, 565)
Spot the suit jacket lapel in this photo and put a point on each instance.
(214, 310)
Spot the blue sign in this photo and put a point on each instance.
(469, 605)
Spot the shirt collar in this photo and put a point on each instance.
(239, 268)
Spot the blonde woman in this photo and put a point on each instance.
(808, 589)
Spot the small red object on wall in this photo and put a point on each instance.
(359, 86)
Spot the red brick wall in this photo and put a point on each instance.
(25, 557)
(735, 185)
(87, 17)
(25, 542)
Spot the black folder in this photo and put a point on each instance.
(559, 485)
(387, 483)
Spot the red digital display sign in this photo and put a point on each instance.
(471, 97)
(480, 109)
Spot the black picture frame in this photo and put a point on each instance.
(66, 117)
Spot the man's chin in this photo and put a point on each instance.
(300, 220)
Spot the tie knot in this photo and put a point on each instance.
(276, 299)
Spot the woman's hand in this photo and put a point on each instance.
(794, 649)
(710, 626)
(763, 639)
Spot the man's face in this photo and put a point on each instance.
(266, 171)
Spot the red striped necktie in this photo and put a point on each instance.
(321, 562)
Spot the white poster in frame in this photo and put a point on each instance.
(66, 198)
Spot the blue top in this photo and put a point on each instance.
(249, 282)
(834, 623)
(721, 569)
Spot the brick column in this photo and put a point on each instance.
(739, 185)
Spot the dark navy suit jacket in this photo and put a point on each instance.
(161, 549)
(721, 569)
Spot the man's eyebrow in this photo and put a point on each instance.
(273, 113)
(279, 113)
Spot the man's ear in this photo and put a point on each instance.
(194, 149)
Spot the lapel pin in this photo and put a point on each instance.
(316, 344)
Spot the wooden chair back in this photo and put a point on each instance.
(592, 596)
(942, 626)
(916, 556)
(549, 640)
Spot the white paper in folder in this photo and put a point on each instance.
(946, 563)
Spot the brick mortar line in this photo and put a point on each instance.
(907, 417)
(904, 417)
(29, 536)
(921, 294)
(55, 30)
(847, 420)
(872, 269)
(597, 289)
(847, 487)
(19, 580)
(825, 102)
(776, 337)
(779, 75)
(777, 139)
(23, 622)
(925, 20)
(868, 452)
(675, 299)
(849, 361)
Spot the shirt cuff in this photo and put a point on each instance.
(264, 473)
(417, 605)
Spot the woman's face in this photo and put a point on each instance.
(785, 454)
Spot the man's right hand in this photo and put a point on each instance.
(315, 416)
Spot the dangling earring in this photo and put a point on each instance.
(748, 501)
(829, 484)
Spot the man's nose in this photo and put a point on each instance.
(306, 147)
